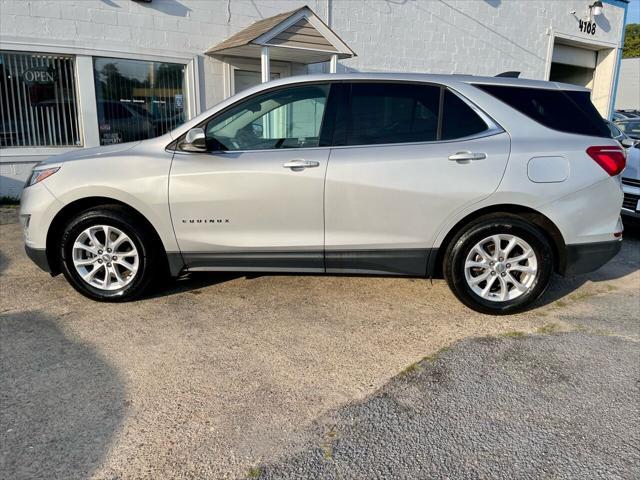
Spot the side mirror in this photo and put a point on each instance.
(194, 141)
(629, 142)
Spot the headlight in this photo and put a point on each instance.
(40, 174)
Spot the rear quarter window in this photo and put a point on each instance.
(458, 119)
(562, 110)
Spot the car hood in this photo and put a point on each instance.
(94, 152)
(632, 170)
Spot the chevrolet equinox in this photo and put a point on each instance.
(493, 182)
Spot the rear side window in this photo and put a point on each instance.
(458, 119)
(393, 113)
(562, 110)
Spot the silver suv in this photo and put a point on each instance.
(494, 182)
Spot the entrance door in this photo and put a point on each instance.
(243, 79)
(254, 200)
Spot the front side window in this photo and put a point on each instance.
(393, 113)
(286, 118)
(38, 105)
(137, 99)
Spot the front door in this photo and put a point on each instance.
(254, 200)
(412, 156)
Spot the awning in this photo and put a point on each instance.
(298, 36)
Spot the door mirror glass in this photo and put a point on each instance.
(194, 141)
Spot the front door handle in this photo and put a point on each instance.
(301, 164)
(467, 156)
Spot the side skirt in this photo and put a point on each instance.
(312, 262)
(409, 262)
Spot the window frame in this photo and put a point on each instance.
(187, 108)
(85, 91)
(333, 128)
(47, 150)
(344, 118)
(324, 126)
(483, 88)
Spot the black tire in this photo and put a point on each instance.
(151, 261)
(460, 246)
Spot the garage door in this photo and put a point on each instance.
(575, 56)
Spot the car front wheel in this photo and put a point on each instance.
(107, 255)
(499, 265)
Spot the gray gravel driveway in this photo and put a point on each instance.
(226, 376)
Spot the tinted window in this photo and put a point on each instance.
(393, 113)
(286, 118)
(563, 110)
(458, 119)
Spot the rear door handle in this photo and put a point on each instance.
(467, 156)
(300, 164)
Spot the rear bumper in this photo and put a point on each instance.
(39, 257)
(588, 257)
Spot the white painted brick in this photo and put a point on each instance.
(87, 30)
(45, 8)
(165, 23)
(118, 33)
(75, 12)
(8, 24)
(29, 26)
(103, 16)
(14, 7)
(135, 19)
(60, 27)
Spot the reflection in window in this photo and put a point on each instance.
(393, 113)
(287, 118)
(38, 101)
(137, 99)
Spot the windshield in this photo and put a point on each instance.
(631, 128)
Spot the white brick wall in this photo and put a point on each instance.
(452, 36)
(483, 37)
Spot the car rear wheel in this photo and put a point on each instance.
(499, 264)
(107, 255)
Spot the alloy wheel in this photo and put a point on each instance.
(105, 257)
(501, 267)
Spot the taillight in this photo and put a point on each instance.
(611, 159)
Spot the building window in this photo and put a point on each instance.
(137, 99)
(38, 105)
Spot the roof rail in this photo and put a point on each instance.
(511, 74)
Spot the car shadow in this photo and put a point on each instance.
(625, 263)
(62, 402)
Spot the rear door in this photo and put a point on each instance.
(411, 156)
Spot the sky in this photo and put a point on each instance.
(633, 13)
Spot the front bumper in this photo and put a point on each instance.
(39, 257)
(588, 257)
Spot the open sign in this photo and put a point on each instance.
(40, 76)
